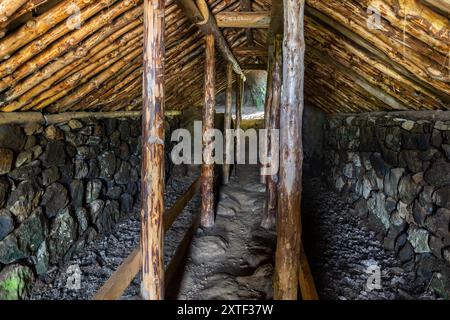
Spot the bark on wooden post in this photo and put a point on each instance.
(227, 124)
(267, 105)
(273, 123)
(207, 179)
(152, 182)
(239, 102)
(291, 154)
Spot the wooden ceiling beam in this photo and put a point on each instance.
(250, 19)
(250, 51)
(200, 14)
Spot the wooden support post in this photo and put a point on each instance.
(227, 124)
(267, 105)
(273, 123)
(291, 154)
(239, 102)
(207, 179)
(152, 181)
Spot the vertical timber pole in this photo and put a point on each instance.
(152, 182)
(207, 179)
(291, 154)
(239, 102)
(270, 209)
(267, 105)
(227, 124)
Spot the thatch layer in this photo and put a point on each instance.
(84, 55)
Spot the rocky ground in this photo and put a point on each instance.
(101, 258)
(234, 260)
(345, 255)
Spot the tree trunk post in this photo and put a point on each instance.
(239, 103)
(291, 154)
(227, 124)
(267, 106)
(207, 172)
(152, 182)
(273, 123)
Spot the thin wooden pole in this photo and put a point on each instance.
(291, 150)
(267, 105)
(207, 179)
(227, 123)
(239, 102)
(152, 182)
(273, 123)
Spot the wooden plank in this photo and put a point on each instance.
(116, 285)
(305, 278)
(152, 181)
(251, 19)
(254, 66)
(287, 255)
(207, 170)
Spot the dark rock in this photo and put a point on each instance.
(436, 139)
(23, 199)
(110, 214)
(131, 189)
(4, 191)
(406, 253)
(439, 222)
(94, 141)
(31, 141)
(438, 174)
(50, 176)
(95, 210)
(379, 165)
(420, 212)
(94, 171)
(83, 219)
(6, 223)
(391, 182)
(436, 244)
(124, 151)
(76, 140)
(81, 169)
(425, 197)
(55, 200)
(16, 282)
(393, 233)
(86, 131)
(66, 173)
(110, 126)
(126, 203)
(407, 189)
(31, 233)
(426, 265)
(12, 137)
(411, 159)
(85, 153)
(107, 162)
(124, 129)
(93, 189)
(441, 197)
(54, 155)
(9, 250)
(123, 174)
(6, 160)
(115, 139)
(415, 141)
(446, 148)
(27, 172)
(62, 234)
(77, 193)
(114, 192)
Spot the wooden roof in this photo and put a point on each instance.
(353, 63)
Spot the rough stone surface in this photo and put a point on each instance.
(55, 199)
(6, 223)
(11, 137)
(6, 159)
(23, 199)
(62, 234)
(15, 282)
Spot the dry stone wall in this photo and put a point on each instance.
(60, 187)
(395, 168)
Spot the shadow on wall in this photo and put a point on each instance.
(313, 139)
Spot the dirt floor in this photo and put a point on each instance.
(234, 260)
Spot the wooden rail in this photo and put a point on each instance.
(116, 285)
(307, 287)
